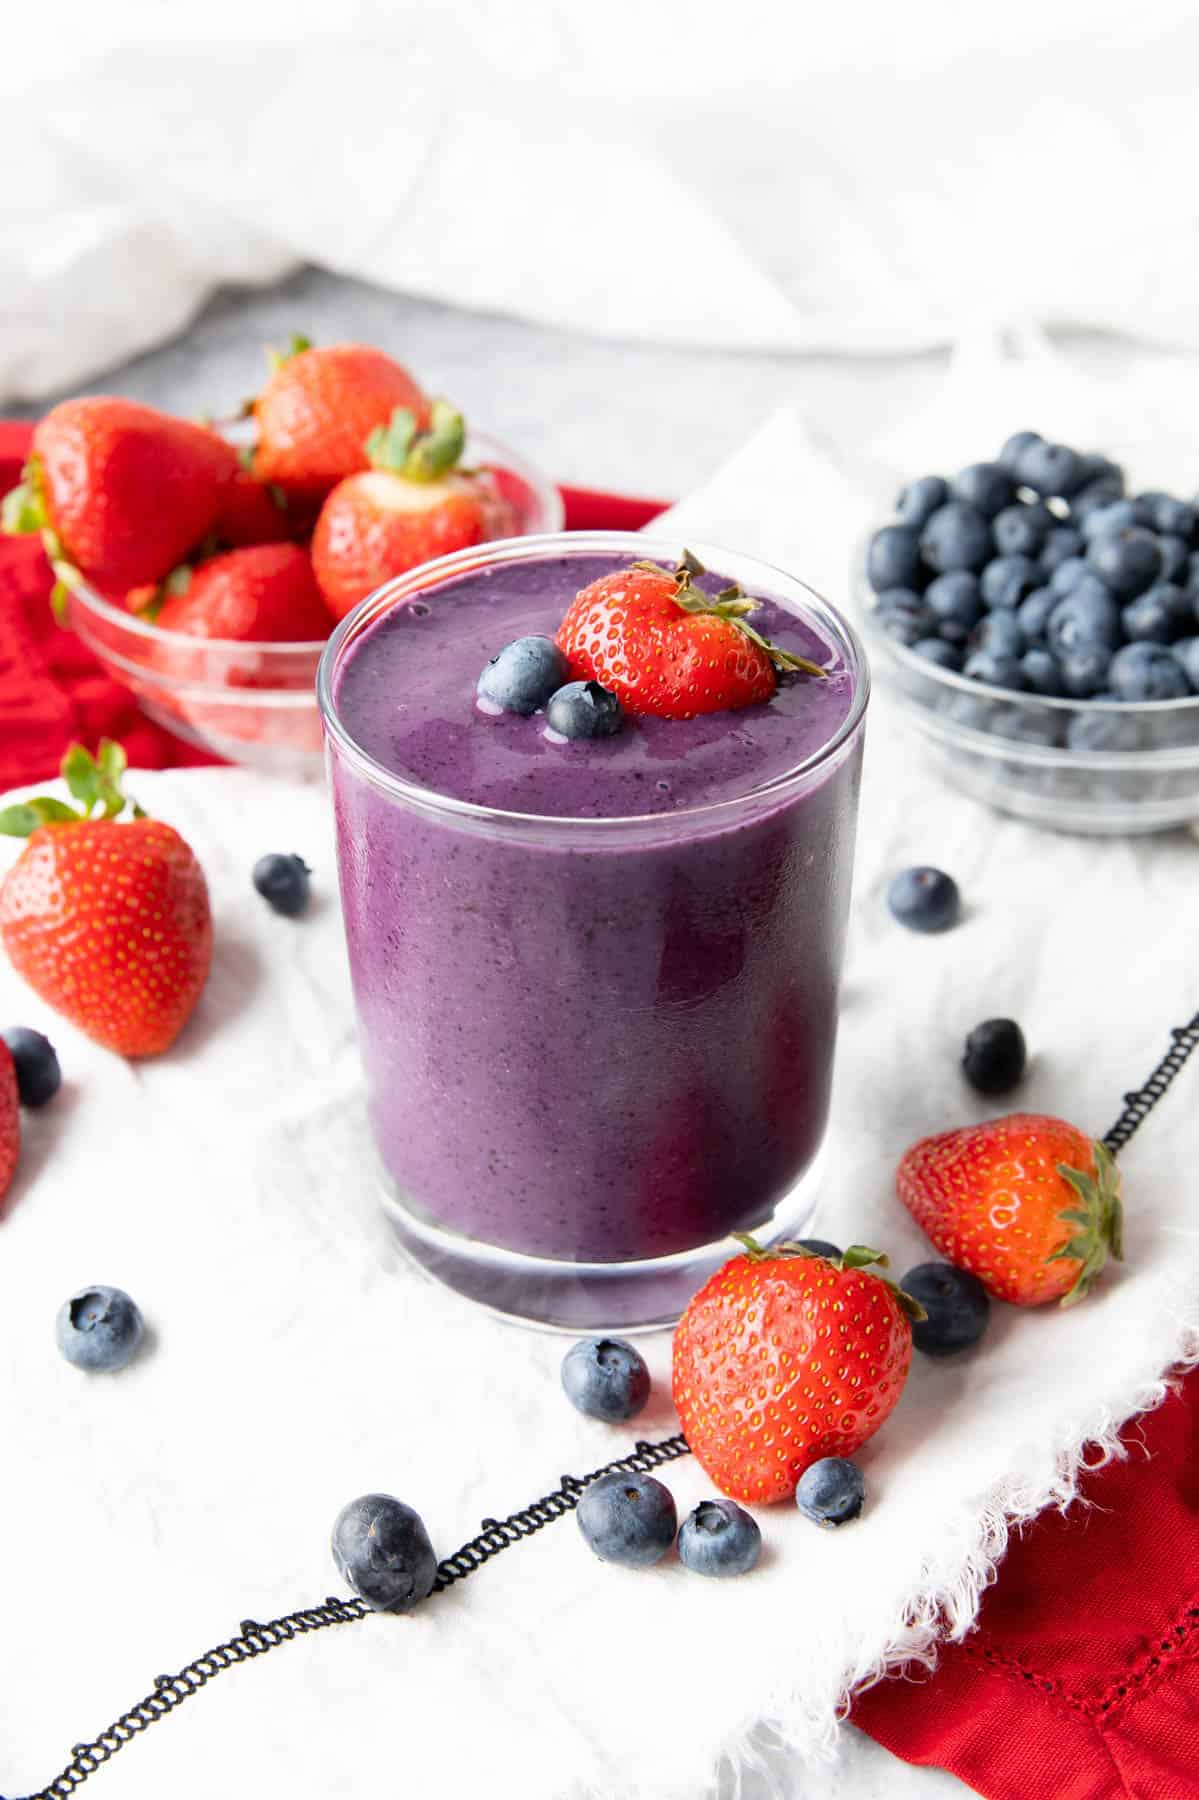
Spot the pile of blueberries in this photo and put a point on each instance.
(1038, 574)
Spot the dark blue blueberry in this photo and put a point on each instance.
(936, 650)
(282, 880)
(38, 1074)
(1168, 514)
(996, 669)
(99, 1329)
(523, 676)
(1041, 672)
(1191, 583)
(955, 604)
(1015, 448)
(925, 899)
(606, 1379)
(1084, 670)
(907, 624)
(893, 559)
(956, 1303)
(900, 598)
(956, 537)
(628, 1519)
(1025, 724)
(919, 500)
(382, 1549)
(584, 709)
(1119, 515)
(1187, 652)
(986, 486)
(1062, 545)
(719, 1538)
(1032, 614)
(1176, 554)
(1153, 616)
(831, 1491)
(1127, 562)
(999, 634)
(1103, 727)
(820, 1247)
(1007, 579)
(1088, 615)
(1068, 574)
(1022, 530)
(1145, 672)
(1053, 469)
(994, 1057)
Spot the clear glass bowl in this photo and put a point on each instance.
(256, 703)
(1073, 765)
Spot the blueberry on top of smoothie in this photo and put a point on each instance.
(524, 675)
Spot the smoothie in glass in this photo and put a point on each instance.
(596, 981)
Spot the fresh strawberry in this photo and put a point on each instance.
(410, 506)
(254, 512)
(108, 921)
(1029, 1204)
(784, 1357)
(266, 594)
(319, 407)
(10, 1119)
(121, 491)
(666, 647)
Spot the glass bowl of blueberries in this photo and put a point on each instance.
(1040, 626)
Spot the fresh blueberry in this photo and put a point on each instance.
(1053, 469)
(1153, 616)
(38, 1074)
(382, 1549)
(1104, 521)
(1032, 614)
(1041, 672)
(996, 669)
(820, 1247)
(907, 624)
(1191, 581)
(919, 500)
(1100, 490)
(999, 634)
(1015, 448)
(1103, 728)
(1176, 554)
(523, 676)
(99, 1329)
(925, 899)
(899, 599)
(1084, 670)
(1025, 724)
(956, 1303)
(1147, 672)
(1062, 545)
(936, 650)
(1068, 574)
(986, 486)
(1087, 615)
(1167, 514)
(893, 559)
(1007, 579)
(1187, 652)
(956, 537)
(1022, 530)
(1127, 562)
(831, 1491)
(606, 1379)
(955, 604)
(972, 711)
(282, 880)
(584, 709)
(719, 1538)
(628, 1519)
(995, 1056)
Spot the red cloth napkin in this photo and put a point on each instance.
(1082, 1680)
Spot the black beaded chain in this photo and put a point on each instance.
(254, 1639)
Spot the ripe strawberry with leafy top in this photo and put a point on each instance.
(121, 491)
(264, 594)
(784, 1357)
(318, 409)
(107, 919)
(10, 1119)
(1029, 1204)
(668, 648)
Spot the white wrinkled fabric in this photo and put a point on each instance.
(295, 1362)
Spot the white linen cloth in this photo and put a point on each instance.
(864, 178)
(295, 1361)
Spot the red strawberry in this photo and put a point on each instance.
(409, 507)
(108, 921)
(784, 1357)
(10, 1119)
(666, 647)
(319, 407)
(124, 490)
(1028, 1204)
(252, 512)
(266, 594)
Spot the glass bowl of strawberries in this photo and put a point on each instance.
(205, 573)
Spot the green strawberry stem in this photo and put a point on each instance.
(730, 603)
(95, 781)
(1100, 1218)
(296, 343)
(858, 1256)
(401, 449)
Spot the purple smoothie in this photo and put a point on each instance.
(589, 1042)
